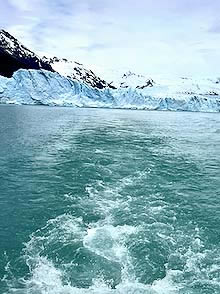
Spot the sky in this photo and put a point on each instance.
(173, 37)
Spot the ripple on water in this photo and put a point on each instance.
(129, 221)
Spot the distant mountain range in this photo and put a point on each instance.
(14, 55)
(26, 78)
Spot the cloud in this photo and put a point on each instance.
(153, 36)
(21, 5)
(215, 27)
(94, 47)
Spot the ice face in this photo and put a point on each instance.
(48, 88)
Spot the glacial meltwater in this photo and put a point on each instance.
(101, 201)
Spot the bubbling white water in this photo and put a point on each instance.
(187, 263)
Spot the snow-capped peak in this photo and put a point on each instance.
(133, 80)
(164, 86)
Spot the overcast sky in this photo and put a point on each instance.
(148, 36)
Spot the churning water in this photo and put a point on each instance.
(109, 201)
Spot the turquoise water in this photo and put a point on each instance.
(109, 201)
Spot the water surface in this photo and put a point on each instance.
(109, 201)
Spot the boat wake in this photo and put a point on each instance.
(137, 246)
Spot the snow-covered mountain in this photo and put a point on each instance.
(162, 87)
(76, 71)
(13, 56)
(25, 78)
(131, 80)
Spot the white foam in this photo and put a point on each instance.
(47, 279)
(166, 284)
(109, 242)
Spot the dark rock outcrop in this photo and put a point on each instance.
(14, 56)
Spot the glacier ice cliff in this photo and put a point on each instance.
(47, 88)
(41, 87)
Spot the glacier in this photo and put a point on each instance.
(42, 87)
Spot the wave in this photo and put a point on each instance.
(138, 246)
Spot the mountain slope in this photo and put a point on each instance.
(75, 70)
(166, 86)
(13, 56)
(62, 82)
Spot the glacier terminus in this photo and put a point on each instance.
(28, 79)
